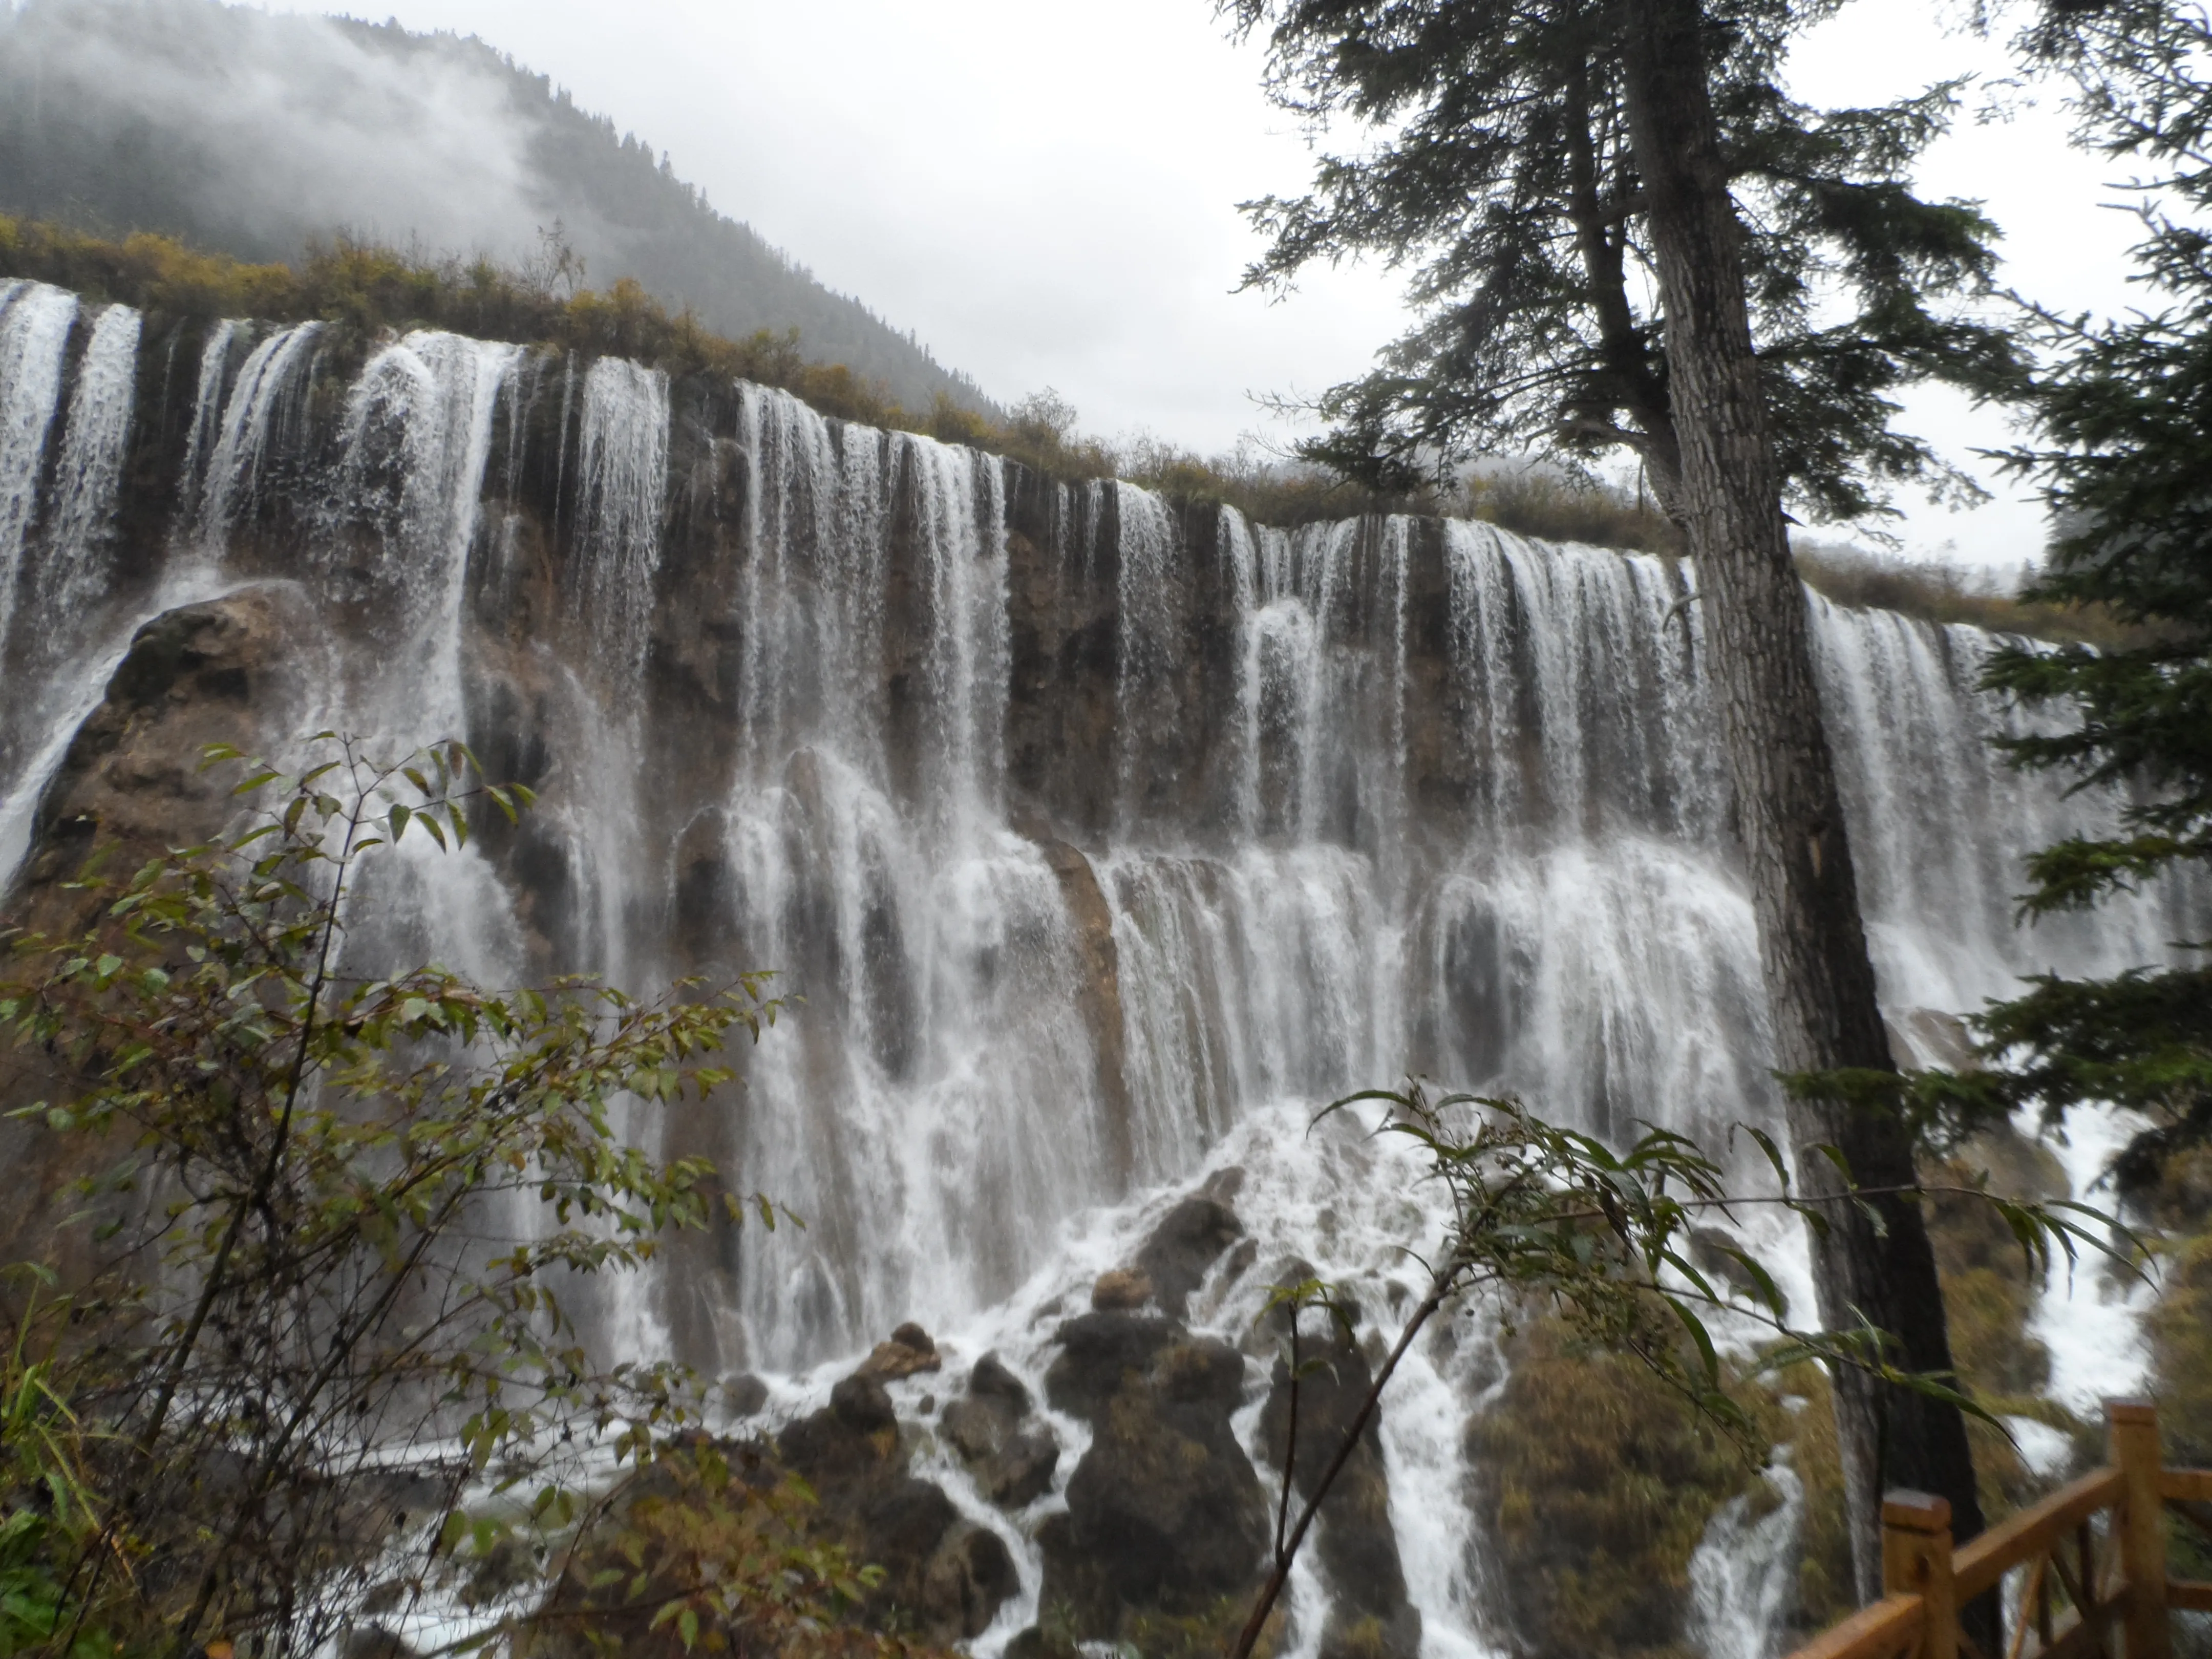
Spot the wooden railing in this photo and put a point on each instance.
(2082, 1573)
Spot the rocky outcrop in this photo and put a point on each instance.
(1189, 1239)
(1353, 1542)
(131, 783)
(1101, 992)
(213, 672)
(1165, 1517)
(944, 1577)
(908, 1354)
(991, 1427)
(1166, 1526)
(1120, 1290)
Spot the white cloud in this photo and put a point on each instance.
(1046, 193)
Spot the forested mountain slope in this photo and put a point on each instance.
(255, 133)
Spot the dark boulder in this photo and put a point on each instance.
(1097, 1350)
(1165, 1517)
(943, 1577)
(225, 671)
(744, 1395)
(1120, 1290)
(991, 1380)
(1014, 1466)
(1352, 1542)
(1190, 1238)
(910, 1352)
(944, 1581)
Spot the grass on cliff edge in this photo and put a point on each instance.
(369, 287)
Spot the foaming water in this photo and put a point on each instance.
(1743, 1577)
(1104, 841)
(937, 1104)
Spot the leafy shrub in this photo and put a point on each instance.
(301, 1347)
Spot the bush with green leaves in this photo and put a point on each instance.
(317, 1280)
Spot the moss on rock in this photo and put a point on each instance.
(1596, 1482)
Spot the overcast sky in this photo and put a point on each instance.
(1045, 192)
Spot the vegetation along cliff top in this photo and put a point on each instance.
(368, 288)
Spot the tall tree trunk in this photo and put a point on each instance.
(1812, 953)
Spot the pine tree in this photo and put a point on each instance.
(1509, 181)
(1628, 237)
(2123, 414)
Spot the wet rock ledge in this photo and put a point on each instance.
(1156, 1541)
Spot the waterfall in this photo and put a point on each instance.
(622, 459)
(260, 428)
(415, 443)
(943, 1107)
(56, 529)
(35, 329)
(1104, 838)
(98, 424)
(1742, 1579)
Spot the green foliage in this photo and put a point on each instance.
(1611, 1252)
(2180, 1327)
(34, 1597)
(48, 1507)
(1499, 166)
(705, 1550)
(1603, 1241)
(2123, 417)
(338, 1214)
(1601, 1478)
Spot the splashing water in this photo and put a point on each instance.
(1104, 842)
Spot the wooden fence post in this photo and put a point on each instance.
(1916, 1560)
(2132, 1428)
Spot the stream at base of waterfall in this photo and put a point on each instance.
(1105, 839)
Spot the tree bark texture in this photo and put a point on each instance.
(1812, 953)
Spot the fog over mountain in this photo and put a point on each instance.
(254, 134)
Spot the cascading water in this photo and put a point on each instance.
(261, 421)
(35, 329)
(1103, 839)
(68, 578)
(942, 1108)
(56, 529)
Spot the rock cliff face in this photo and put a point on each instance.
(129, 783)
(1103, 837)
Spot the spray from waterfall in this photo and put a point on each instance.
(1103, 841)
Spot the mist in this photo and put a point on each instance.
(259, 135)
(277, 128)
